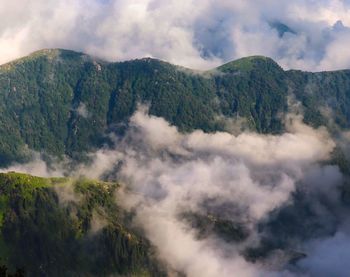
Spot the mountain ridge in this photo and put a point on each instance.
(55, 52)
(66, 105)
(63, 102)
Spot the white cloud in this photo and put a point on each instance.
(246, 176)
(254, 173)
(197, 33)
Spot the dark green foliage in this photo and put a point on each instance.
(327, 92)
(5, 273)
(64, 103)
(42, 97)
(254, 88)
(48, 237)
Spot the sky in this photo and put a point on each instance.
(311, 35)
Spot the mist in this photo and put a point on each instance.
(246, 179)
(241, 178)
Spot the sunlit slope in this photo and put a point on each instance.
(68, 227)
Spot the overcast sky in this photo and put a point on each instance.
(200, 34)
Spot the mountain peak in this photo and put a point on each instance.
(46, 52)
(248, 64)
(55, 53)
(50, 54)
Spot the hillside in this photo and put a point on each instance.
(65, 105)
(68, 227)
(63, 102)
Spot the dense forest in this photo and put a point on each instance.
(64, 103)
(68, 227)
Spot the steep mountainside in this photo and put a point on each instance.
(64, 102)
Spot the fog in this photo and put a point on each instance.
(246, 179)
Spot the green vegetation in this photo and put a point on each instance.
(247, 64)
(88, 235)
(42, 95)
(324, 95)
(60, 102)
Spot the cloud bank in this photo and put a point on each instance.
(244, 178)
(200, 34)
(240, 178)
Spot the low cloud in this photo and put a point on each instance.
(240, 178)
(82, 110)
(38, 167)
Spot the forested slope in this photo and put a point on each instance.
(63, 102)
(68, 227)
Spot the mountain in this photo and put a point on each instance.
(68, 227)
(64, 103)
